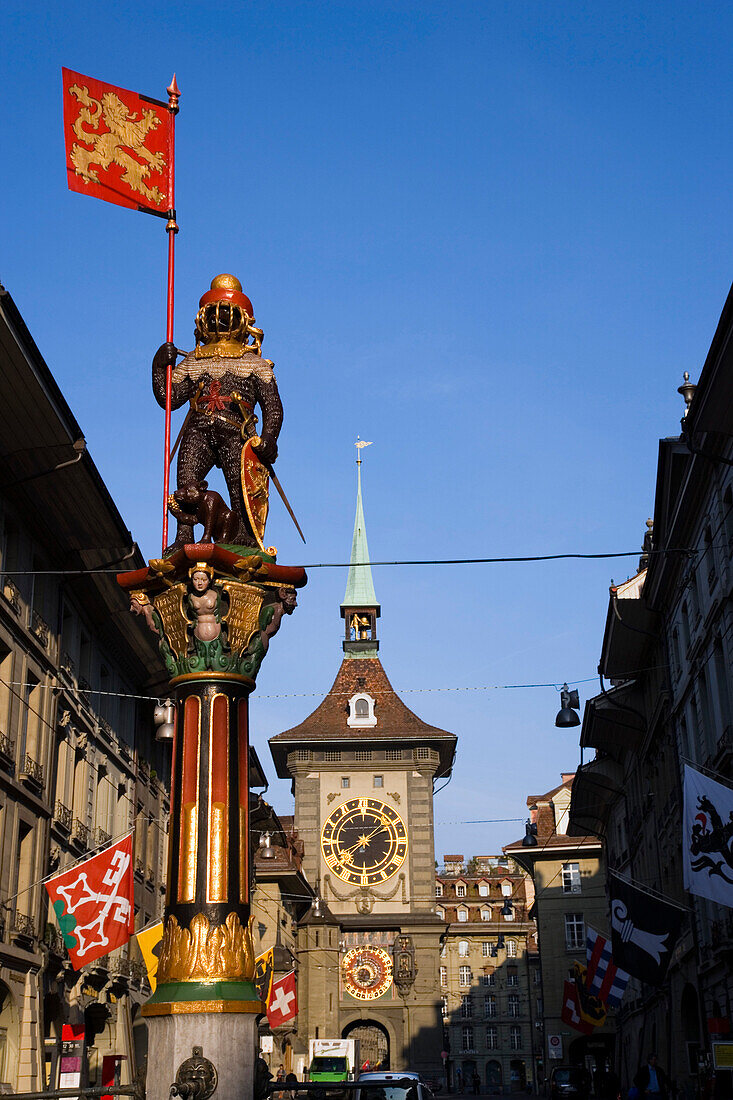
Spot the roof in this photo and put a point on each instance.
(395, 721)
(359, 583)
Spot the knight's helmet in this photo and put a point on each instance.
(225, 321)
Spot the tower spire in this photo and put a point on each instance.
(360, 608)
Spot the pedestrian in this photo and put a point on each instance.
(651, 1080)
(476, 1082)
(291, 1084)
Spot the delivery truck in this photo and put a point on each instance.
(333, 1059)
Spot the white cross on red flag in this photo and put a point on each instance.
(94, 903)
(283, 1003)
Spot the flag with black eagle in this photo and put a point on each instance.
(644, 930)
(707, 837)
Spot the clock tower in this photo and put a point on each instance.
(363, 768)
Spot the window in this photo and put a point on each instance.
(466, 1006)
(488, 979)
(513, 1005)
(439, 889)
(512, 977)
(443, 950)
(440, 912)
(506, 889)
(515, 1037)
(444, 975)
(332, 757)
(483, 889)
(540, 1008)
(463, 948)
(489, 1005)
(485, 912)
(303, 754)
(511, 948)
(538, 976)
(492, 1037)
(571, 878)
(460, 891)
(361, 711)
(466, 1038)
(422, 754)
(345, 781)
(444, 1007)
(574, 931)
(464, 975)
(462, 915)
(378, 780)
(363, 754)
(394, 754)
(486, 949)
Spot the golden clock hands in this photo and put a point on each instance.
(364, 839)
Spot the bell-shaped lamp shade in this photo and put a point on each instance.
(566, 718)
(530, 837)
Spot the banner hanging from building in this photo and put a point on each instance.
(604, 977)
(94, 903)
(571, 1013)
(264, 965)
(118, 144)
(644, 930)
(149, 940)
(283, 1003)
(707, 835)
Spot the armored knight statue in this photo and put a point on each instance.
(224, 378)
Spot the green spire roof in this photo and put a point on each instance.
(359, 585)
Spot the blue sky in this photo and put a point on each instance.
(487, 236)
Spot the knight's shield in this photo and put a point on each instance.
(256, 490)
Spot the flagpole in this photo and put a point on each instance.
(171, 230)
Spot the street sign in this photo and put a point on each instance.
(444, 1054)
(554, 1046)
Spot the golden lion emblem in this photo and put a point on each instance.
(127, 134)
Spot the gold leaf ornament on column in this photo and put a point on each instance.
(205, 954)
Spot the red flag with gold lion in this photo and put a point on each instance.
(118, 144)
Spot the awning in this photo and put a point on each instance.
(614, 721)
(631, 628)
(596, 787)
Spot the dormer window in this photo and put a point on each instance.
(361, 711)
(460, 890)
(483, 889)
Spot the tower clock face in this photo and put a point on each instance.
(364, 841)
(367, 972)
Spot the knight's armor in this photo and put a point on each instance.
(224, 378)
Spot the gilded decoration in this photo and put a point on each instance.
(203, 953)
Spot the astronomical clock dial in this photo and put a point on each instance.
(367, 972)
(364, 841)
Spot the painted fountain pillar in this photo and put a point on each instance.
(214, 606)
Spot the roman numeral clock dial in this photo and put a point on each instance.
(364, 841)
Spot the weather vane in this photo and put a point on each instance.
(360, 445)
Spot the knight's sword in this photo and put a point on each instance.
(283, 498)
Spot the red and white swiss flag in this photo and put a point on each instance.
(94, 903)
(283, 1003)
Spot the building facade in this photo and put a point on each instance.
(490, 978)
(570, 896)
(79, 764)
(363, 767)
(666, 667)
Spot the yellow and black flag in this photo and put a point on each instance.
(263, 974)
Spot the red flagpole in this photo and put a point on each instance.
(171, 229)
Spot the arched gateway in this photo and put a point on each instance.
(373, 1041)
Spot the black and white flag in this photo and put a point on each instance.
(644, 930)
(707, 836)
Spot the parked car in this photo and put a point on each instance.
(400, 1085)
(570, 1083)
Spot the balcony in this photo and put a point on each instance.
(85, 692)
(150, 876)
(40, 629)
(144, 770)
(139, 870)
(138, 973)
(80, 833)
(67, 667)
(23, 927)
(103, 837)
(63, 816)
(7, 749)
(54, 940)
(32, 772)
(11, 592)
(120, 967)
